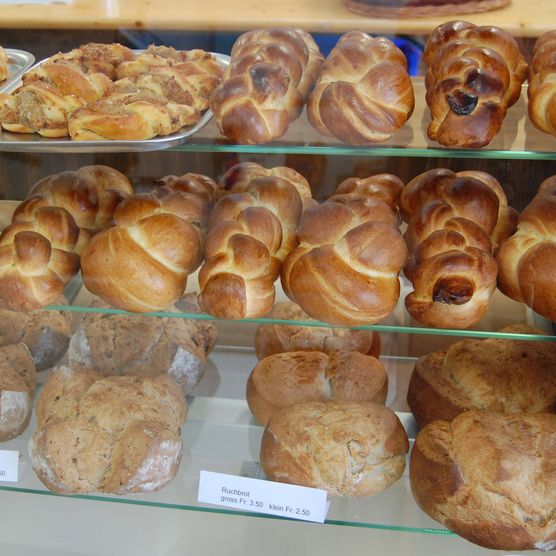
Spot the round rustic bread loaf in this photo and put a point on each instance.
(46, 333)
(285, 379)
(346, 448)
(507, 376)
(18, 381)
(117, 434)
(490, 477)
(278, 338)
(176, 346)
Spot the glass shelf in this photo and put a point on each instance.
(220, 435)
(517, 139)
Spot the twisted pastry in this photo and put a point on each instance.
(542, 76)
(38, 108)
(4, 69)
(345, 269)
(39, 251)
(137, 116)
(250, 234)
(142, 263)
(527, 259)
(266, 84)
(473, 75)
(453, 221)
(363, 93)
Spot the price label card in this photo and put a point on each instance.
(9, 466)
(265, 497)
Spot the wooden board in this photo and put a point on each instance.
(522, 18)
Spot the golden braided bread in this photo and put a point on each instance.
(266, 84)
(142, 263)
(3, 65)
(527, 260)
(39, 251)
(363, 93)
(345, 269)
(542, 84)
(473, 75)
(250, 234)
(453, 224)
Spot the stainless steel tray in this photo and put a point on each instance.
(19, 61)
(32, 142)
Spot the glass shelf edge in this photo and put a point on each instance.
(397, 329)
(367, 151)
(224, 511)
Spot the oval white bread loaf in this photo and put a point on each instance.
(285, 379)
(490, 477)
(346, 448)
(18, 381)
(117, 434)
(279, 338)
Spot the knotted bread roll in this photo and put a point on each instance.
(40, 250)
(266, 84)
(345, 269)
(490, 478)
(117, 434)
(474, 74)
(363, 93)
(142, 263)
(454, 221)
(542, 90)
(527, 260)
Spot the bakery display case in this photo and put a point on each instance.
(220, 434)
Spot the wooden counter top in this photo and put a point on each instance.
(522, 17)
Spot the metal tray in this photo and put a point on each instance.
(19, 61)
(32, 142)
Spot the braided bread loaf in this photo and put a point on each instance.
(473, 75)
(39, 251)
(250, 233)
(345, 269)
(363, 93)
(142, 263)
(542, 71)
(453, 221)
(4, 68)
(527, 260)
(266, 84)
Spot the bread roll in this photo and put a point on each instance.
(266, 84)
(363, 93)
(279, 338)
(527, 260)
(474, 74)
(142, 263)
(506, 376)
(346, 448)
(4, 69)
(18, 381)
(40, 250)
(176, 346)
(117, 434)
(345, 268)
(46, 333)
(285, 379)
(541, 90)
(453, 221)
(490, 478)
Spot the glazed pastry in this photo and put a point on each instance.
(363, 93)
